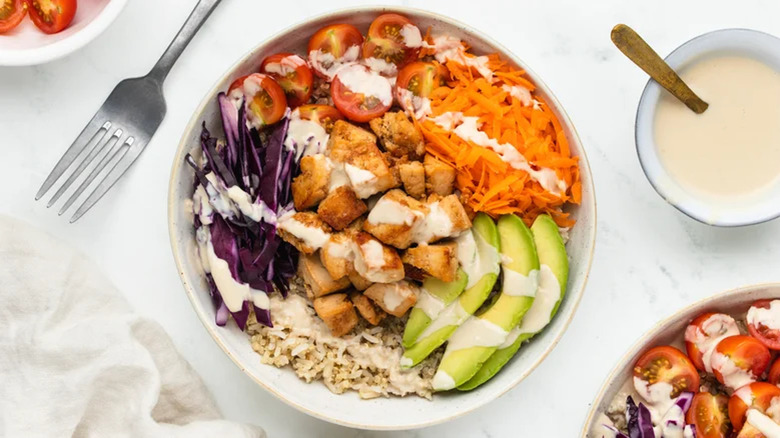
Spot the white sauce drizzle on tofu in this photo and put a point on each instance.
(313, 237)
(373, 255)
(436, 224)
(393, 296)
(519, 285)
(362, 181)
(768, 317)
(338, 176)
(388, 211)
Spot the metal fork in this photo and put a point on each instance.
(121, 128)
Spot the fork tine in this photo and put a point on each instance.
(116, 145)
(116, 172)
(88, 134)
(98, 147)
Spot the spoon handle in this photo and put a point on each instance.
(638, 51)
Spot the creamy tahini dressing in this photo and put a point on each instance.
(396, 294)
(361, 180)
(305, 137)
(733, 376)
(767, 317)
(449, 48)
(477, 257)
(763, 423)
(390, 212)
(476, 332)
(430, 304)
(454, 314)
(373, 255)
(313, 237)
(658, 397)
(328, 65)
(416, 106)
(338, 176)
(520, 93)
(361, 80)
(233, 292)
(381, 66)
(519, 285)
(257, 211)
(713, 330)
(437, 224)
(732, 150)
(411, 35)
(540, 313)
(287, 65)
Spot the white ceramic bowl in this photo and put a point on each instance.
(670, 331)
(315, 399)
(758, 45)
(26, 45)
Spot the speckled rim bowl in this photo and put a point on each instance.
(315, 399)
(755, 44)
(668, 331)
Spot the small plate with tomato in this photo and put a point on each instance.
(38, 31)
(722, 355)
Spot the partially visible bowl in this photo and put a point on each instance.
(315, 399)
(755, 44)
(669, 331)
(26, 45)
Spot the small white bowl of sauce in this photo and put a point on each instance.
(721, 167)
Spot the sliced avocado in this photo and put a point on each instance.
(477, 339)
(442, 291)
(552, 254)
(439, 330)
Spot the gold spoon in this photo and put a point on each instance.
(636, 49)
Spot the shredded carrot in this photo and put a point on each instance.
(488, 183)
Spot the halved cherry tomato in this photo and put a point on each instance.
(420, 79)
(774, 373)
(670, 365)
(710, 414)
(765, 334)
(386, 40)
(745, 352)
(265, 99)
(292, 74)
(758, 394)
(336, 40)
(11, 14)
(325, 115)
(357, 106)
(52, 16)
(704, 331)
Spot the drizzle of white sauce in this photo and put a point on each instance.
(305, 137)
(411, 35)
(657, 396)
(767, 317)
(540, 313)
(313, 237)
(436, 224)
(416, 106)
(233, 292)
(338, 176)
(448, 48)
(373, 255)
(452, 315)
(361, 80)
(285, 66)
(327, 65)
(442, 381)
(733, 376)
(390, 212)
(381, 66)
(257, 211)
(476, 332)
(519, 92)
(430, 304)
(519, 285)
(477, 257)
(763, 423)
(713, 330)
(361, 180)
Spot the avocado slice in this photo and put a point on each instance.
(436, 295)
(478, 338)
(552, 286)
(480, 261)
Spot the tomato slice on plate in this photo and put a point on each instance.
(394, 39)
(11, 14)
(420, 79)
(703, 334)
(332, 44)
(745, 353)
(710, 414)
(265, 99)
(757, 395)
(52, 16)
(762, 326)
(292, 74)
(669, 365)
(325, 115)
(360, 94)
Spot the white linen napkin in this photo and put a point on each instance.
(76, 361)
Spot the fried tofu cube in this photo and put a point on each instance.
(394, 218)
(366, 168)
(394, 298)
(398, 135)
(311, 186)
(456, 212)
(439, 177)
(357, 280)
(446, 218)
(304, 230)
(341, 207)
(438, 261)
(367, 309)
(317, 278)
(337, 312)
(376, 262)
(336, 255)
(412, 176)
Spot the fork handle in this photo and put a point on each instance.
(188, 30)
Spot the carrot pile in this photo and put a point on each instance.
(487, 183)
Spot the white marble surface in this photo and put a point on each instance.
(650, 259)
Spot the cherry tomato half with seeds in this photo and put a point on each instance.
(744, 352)
(761, 328)
(52, 16)
(774, 373)
(11, 14)
(704, 331)
(669, 365)
(325, 115)
(361, 106)
(292, 74)
(336, 40)
(710, 414)
(265, 99)
(758, 394)
(420, 79)
(392, 38)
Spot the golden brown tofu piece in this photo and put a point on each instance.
(366, 168)
(304, 230)
(394, 218)
(412, 176)
(438, 261)
(367, 309)
(376, 262)
(317, 278)
(439, 177)
(398, 135)
(336, 255)
(341, 207)
(311, 186)
(358, 282)
(337, 312)
(394, 298)
(457, 214)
